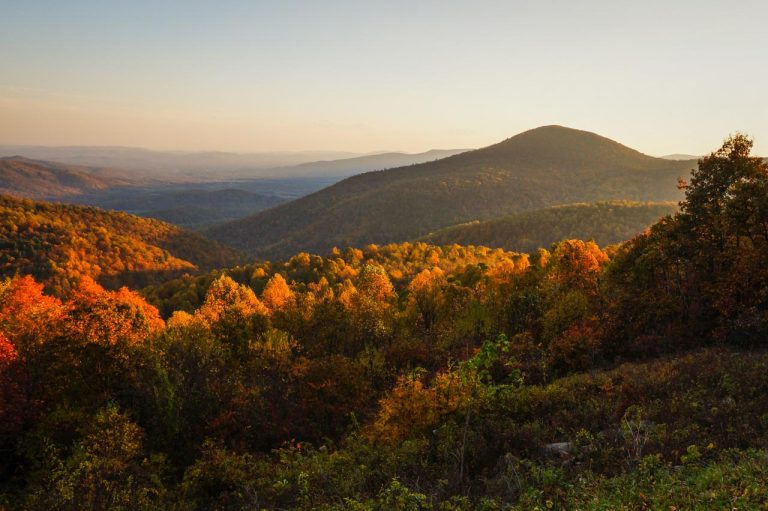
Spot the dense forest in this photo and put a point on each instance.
(59, 244)
(536, 169)
(409, 377)
(606, 223)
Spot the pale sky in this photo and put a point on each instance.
(659, 76)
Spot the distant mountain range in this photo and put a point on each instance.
(197, 201)
(606, 223)
(216, 166)
(539, 168)
(681, 157)
(351, 166)
(169, 163)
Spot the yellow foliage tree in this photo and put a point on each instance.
(227, 298)
(277, 295)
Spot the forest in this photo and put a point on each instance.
(604, 222)
(405, 376)
(59, 244)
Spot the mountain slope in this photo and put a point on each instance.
(604, 222)
(59, 243)
(536, 169)
(23, 177)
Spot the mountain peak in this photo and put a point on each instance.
(538, 168)
(556, 144)
(555, 133)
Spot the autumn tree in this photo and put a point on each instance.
(277, 295)
(233, 312)
(370, 303)
(227, 299)
(29, 317)
(425, 295)
(100, 316)
(575, 265)
(572, 302)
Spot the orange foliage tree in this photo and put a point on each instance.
(27, 316)
(101, 316)
(277, 295)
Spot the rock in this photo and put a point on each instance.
(561, 449)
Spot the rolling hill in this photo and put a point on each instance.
(23, 177)
(606, 223)
(58, 244)
(539, 168)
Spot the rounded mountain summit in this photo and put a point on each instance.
(542, 167)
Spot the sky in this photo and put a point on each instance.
(248, 76)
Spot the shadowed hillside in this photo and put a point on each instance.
(539, 168)
(604, 222)
(58, 244)
(192, 208)
(23, 177)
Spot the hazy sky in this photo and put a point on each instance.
(660, 76)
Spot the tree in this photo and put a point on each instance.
(425, 294)
(13, 402)
(226, 299)
(370, 304)
(27, 316)
(221, 480)
(233, 313)
(100, 316)
(700, 275)
(575, 264)
(277, 295)
(725, 195)
(107, 470)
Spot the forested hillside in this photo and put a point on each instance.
(58, 244)
(23, 177)
(401, 263)
(604, 222)
(409, 376)
(539, 168)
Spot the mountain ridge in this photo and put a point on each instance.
(181, 166)
(60, 243)
(26, 177)
(535, 169)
